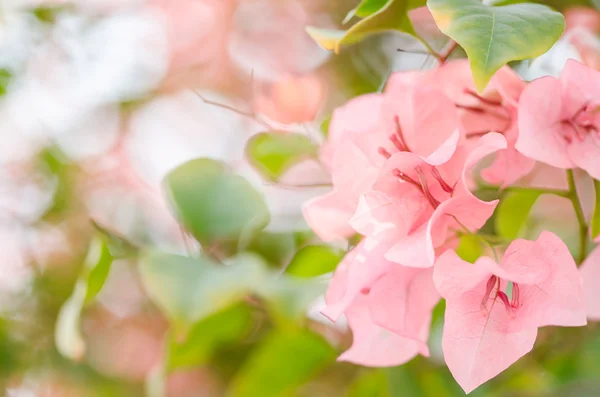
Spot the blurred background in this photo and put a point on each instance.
(101, 99)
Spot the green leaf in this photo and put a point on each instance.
(365, 9)
(220, 329)
(68, 338)
(392, 17)
(288, 299)
(559, 5)
(215, 205)
(273, 153)
(595, 222)
(495, 35)
(512, 213)
(188, 290)
(282, 363)
(371, 384)
(314, 260)
(470, 248)
(277, 248)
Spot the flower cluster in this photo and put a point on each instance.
(403, 165)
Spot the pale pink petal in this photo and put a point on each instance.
(508, 167)
(585, 154)
(477, 344)
(360, 270)
(374, 346)
(328, 216)
(361, 114)
(402, 301)
(540, 131)
(453, 276)
(590, 273)
(584, 79)
(557, 299)
(383, 217)
(412, 250)
(428, 121)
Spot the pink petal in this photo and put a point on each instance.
(361, 114)
(328, 216)
(582, 78)
(402, 301)
(508, 167)
(359, 270)
(540, 131)
(412, 250)
(585, 154)
(428, 119)
(453, 276)
(374, 346)
(477, 344)
(590, 273)
(383, 217)
(552, 291)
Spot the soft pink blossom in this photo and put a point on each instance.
(486, 330)
(590, 273)
(367, 131)
(388, 306)
(416, 204)
(559, 122)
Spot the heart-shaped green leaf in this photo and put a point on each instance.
(214, 204)
(314, 260)
(495, 35)
(559, 5)
(365, 8)
(391, 17)
(188, 290)
(512, 213)
(273, 153)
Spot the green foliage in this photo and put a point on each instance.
(595, 222)
(371, 384)
(391, 17)
(470, 248)
(314, 260)
(188, 290)
(284, 361)
(365, 9)
(273, 153)
(276, 248)
(215, 205)
(495, 35)
(208, 335)
(559, 5)
(512, 213)
(69, 340)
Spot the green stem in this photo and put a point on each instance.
(583, 227)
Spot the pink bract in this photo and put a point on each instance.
(559, 122)
(486, 330)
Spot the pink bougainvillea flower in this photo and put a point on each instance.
(367, 131)
(415, 203)
(487, 328)
(388, 306)
(590, 273)
(559, 119)
(493, 110)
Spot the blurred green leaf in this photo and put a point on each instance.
(559, 5)
(282, 363)
(206, 336)
(314, 260)
(470, 248)
(364, 9)
(273, 153)
(595, 222)
(188, 290)
(373, 383)
(288, 299)
(5, 79)
(277, 248)
(68, 338)
(391, 17)
(215, 205)
(495, 35)
(512, 213)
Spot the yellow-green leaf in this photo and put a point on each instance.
(391, 17)
(495, 35)
(512, 213)
(595, 223)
